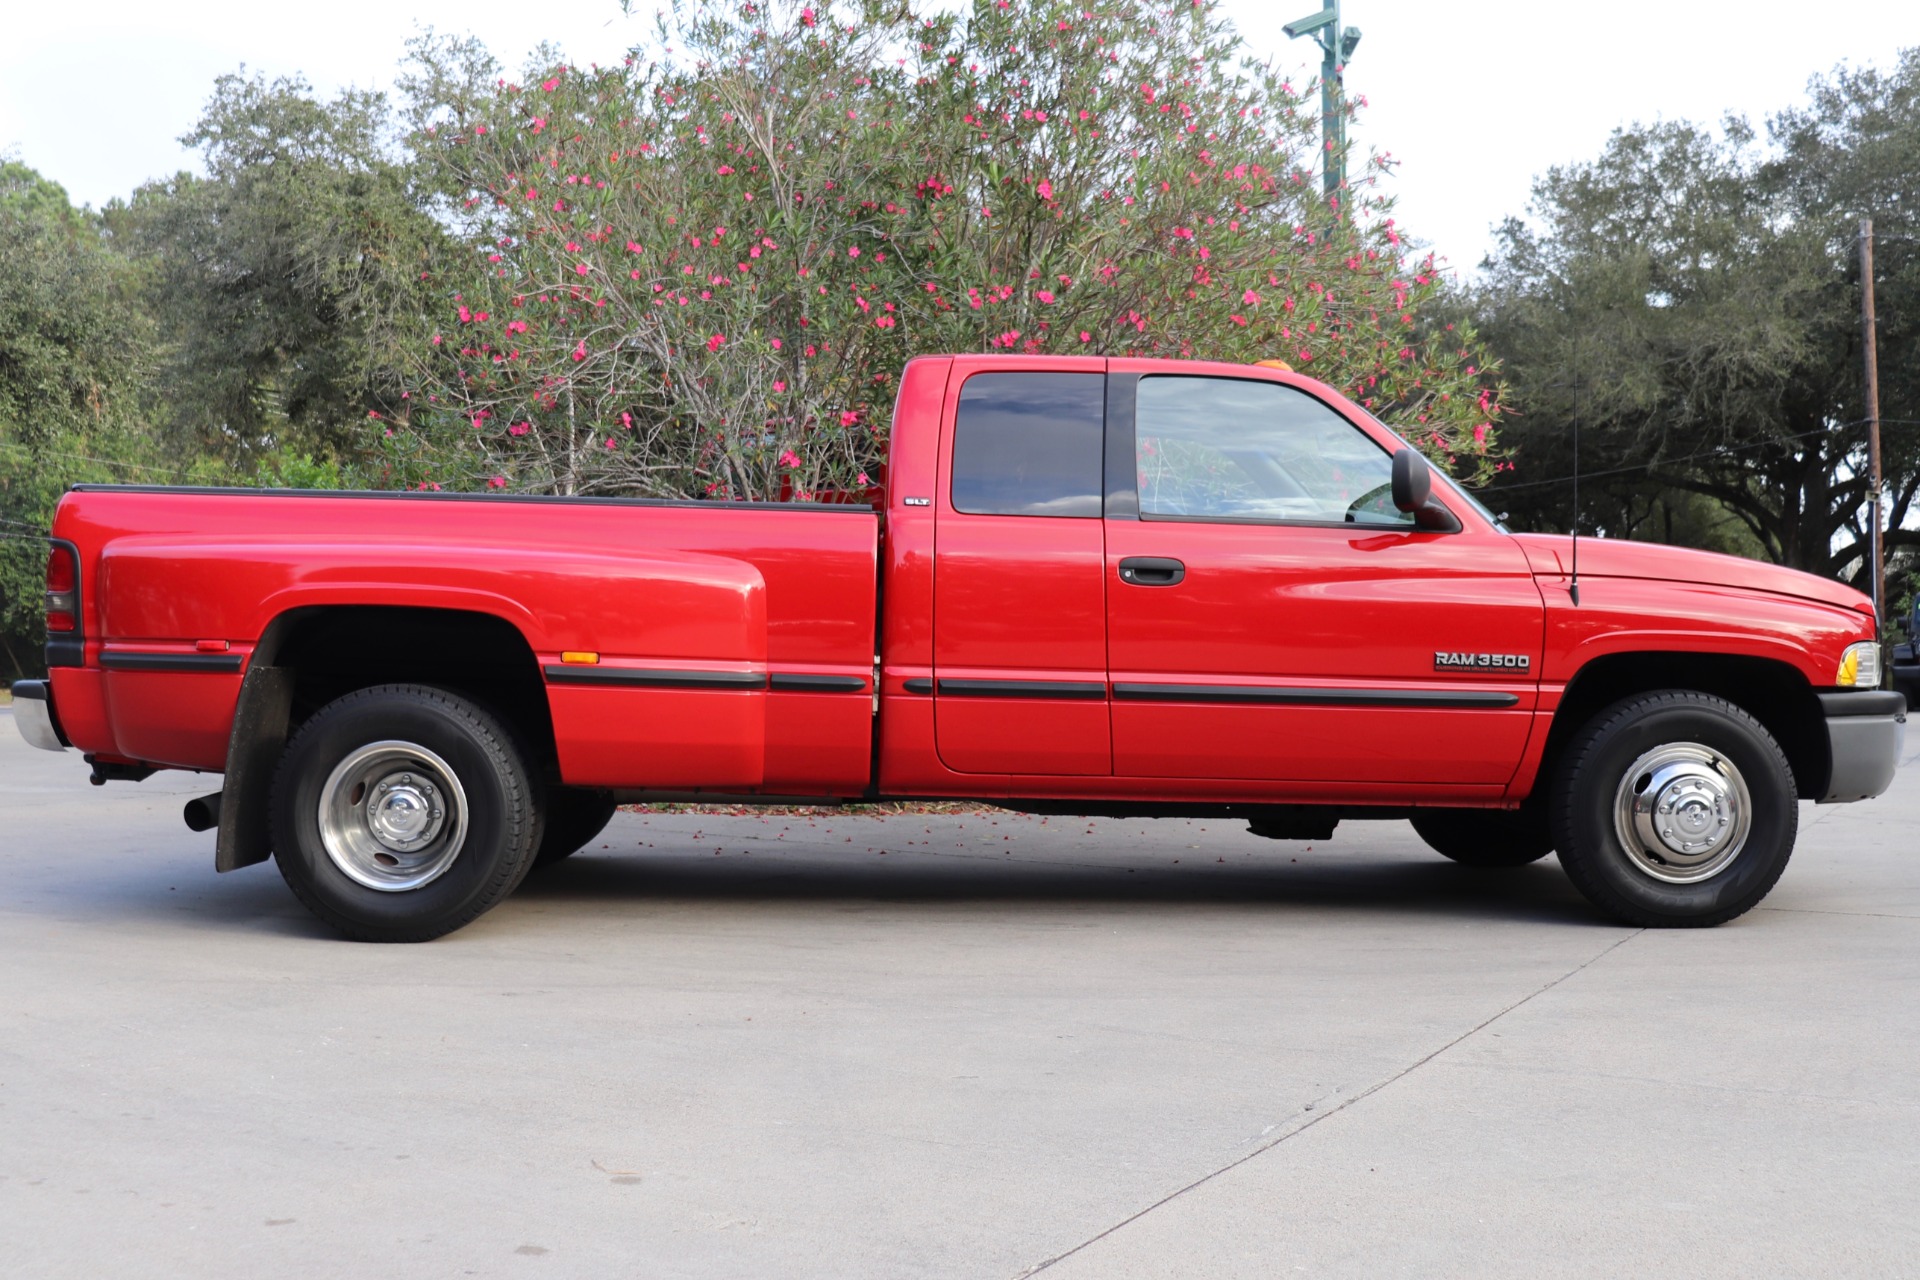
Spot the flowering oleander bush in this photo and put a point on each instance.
(700, 272)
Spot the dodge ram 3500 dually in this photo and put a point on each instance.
(1125, 587)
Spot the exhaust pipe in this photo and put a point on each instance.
(203, 812)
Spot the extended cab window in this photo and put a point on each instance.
(1029, 444)
(1226, 448)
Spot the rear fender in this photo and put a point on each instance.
(643, 612)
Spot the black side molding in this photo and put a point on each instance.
(919, 684)
(214, 663)
(800, 682)
(1271, 695)
(656, 678)
(1089, 689)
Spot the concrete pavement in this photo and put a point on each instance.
(949, 1047)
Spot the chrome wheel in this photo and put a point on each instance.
(1682, 812)
(392, 816)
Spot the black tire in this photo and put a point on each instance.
(573, 818)
(1486, 837)
(404, 730)
(1594, 784)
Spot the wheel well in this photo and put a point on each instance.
(1773, 693)
(333, 650)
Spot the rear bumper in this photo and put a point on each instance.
(1866, 731)
(33, 712)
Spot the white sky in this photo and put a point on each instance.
(1473, 99)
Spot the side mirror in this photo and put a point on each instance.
(1413, 492)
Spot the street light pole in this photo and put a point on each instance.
(1870, 342)
(1337, 45)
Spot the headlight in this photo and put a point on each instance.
(1860, 666)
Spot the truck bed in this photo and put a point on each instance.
(682, 644)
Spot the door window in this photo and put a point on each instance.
(1029, 444)
(1237, 449)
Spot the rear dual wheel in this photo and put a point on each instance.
(1486, 837)
(573, 817)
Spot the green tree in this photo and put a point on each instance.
(280, 279)
(1691, 298)
(73, 350)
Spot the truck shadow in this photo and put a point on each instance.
(1539, 893)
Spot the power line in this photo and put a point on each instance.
(1720, 451)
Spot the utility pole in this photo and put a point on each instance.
(1870, 342)
(1338, 47)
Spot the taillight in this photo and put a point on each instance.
(62, 595)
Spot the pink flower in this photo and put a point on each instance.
(552, 84)
(497, 482)
(779, 386)
(1044, 295)
(806, 17)
(1045, 189)
(519, 428)
(853, 251)
(790, 460)
(580, 268)
(862, 480)
(848, 417)
(1250, 298)
(1085, 336)
(610, 443)
(776, 344)
(715, 342)
(580, 352)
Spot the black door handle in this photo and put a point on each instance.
(1151, 571)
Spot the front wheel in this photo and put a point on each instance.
(1674, 809)
(401, 813)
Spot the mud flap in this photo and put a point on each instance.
(253, 750)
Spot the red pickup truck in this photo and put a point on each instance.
(1125, 587)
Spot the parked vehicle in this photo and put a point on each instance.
(1906, 661)
(1125, 587)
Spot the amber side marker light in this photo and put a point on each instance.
(580, 658)
(1281, 365)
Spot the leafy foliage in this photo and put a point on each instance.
(282, 279)
(701, 275)
(71, 361)
(1692, 298)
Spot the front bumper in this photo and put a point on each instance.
(33, 712)
(1866, 731)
